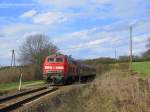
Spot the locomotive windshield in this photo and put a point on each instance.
(55, 60)
(59, 59)
(50, 59)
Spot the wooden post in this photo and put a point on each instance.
(20, 80)
(130, 65)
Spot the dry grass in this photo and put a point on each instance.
(12, 74)
(103, 68)
(115, 91)
(9, 75)
(118, 92)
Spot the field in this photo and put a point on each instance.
(143, 68)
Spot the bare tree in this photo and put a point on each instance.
(34, 49)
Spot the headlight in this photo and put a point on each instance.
(48, 67)
(59, 67)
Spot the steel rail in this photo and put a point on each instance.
(11, 96)
(4, 107)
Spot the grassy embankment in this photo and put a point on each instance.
(113, 91)
(143, 68)
(14, 85)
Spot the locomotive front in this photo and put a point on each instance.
(54, 68)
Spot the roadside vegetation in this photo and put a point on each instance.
(113, 91)
(10, 86)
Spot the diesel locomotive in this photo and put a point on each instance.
(62, 69)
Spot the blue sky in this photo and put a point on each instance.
(81, 28)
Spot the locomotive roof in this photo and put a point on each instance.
(57, 55)
(60, 56)
(78, 62)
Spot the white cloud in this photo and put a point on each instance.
(99, 40)
(92, 43)
(46, 18)
(49, 18)
(100, 9)
(107, 8)
(28, 14)
(14, 29)
(21, 29)
(140, 39)
(14, 35)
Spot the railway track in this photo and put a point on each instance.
(13, 101)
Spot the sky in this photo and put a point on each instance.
(85, 29)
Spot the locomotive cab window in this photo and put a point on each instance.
(59, 59)
(50, 59)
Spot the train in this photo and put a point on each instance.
(63, 69)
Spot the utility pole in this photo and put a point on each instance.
(13, 60)
(130, 68)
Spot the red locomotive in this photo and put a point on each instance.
(62, 69)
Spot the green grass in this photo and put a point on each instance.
(142, 67)
(9, 86)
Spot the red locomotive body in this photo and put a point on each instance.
(62, 69)
(58, 68)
